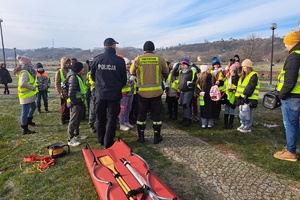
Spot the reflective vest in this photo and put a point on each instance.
(23, 92)
(127, 87)
(201, 98)
(62, 77)
(243, 84)
(230, 95)
(90, 81)
(173, 84)
(194, 72)
(296, 89)
(156, 80)
(81, 94)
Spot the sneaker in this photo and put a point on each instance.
(93, 130)
(286, 155)
(124, 128)
(209, 126)
(129, 125)
(240, 127)
(245, 129)
(79, 136)
(73, 142)
(203, 126)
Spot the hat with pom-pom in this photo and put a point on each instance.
(23, 60)
(203, 68)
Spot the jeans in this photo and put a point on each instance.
(39, 96)
(76, 113)
(248, 123)
(290, 113)
(27, 111)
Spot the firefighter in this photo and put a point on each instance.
(150, 70)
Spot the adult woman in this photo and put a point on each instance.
(26, 92)
(5, 78)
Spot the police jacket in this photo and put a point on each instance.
(109, 73)
(291, 75)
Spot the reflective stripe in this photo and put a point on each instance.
(141, 75)
(127, 87)
(157, 74)
(157, 123)
(140, 123)
(149, 60)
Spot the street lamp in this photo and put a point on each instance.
(2, 42)
(15, 56)
(273, 26)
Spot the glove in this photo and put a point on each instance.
(188, 82)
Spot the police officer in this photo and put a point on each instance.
(109, 73)
(150, 69)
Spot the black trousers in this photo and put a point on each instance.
(154, 105)
(107, 112)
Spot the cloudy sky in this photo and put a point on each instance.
(29, 24)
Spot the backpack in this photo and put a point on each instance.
(215, 93)
(65, 88)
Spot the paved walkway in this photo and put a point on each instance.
(222, 176)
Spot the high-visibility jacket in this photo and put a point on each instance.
(296, 89)
(149, 68)
(81, 94)
(23, 92)
(243, 84)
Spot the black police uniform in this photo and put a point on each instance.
(109, 73)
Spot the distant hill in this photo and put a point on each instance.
(255, 48)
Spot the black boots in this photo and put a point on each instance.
(30, 122)
(26, 130)
(226, 117)
(157, 137)
(231, 119)
(141, 137)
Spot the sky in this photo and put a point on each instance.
(85, 24)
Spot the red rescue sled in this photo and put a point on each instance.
(120, 174)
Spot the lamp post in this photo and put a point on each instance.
(2, 42)
(273, 26)
(15, 56)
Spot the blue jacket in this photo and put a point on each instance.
(109, 73)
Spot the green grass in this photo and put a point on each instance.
(69, 177)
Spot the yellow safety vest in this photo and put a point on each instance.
(230, 95)
(243, 84)
(174, 84)
(81, 94)
(90, 81)
(201, 98)
(193, 75)
(23, 92)
(127, 87)
(296, 89)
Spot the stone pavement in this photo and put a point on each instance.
(222, 176)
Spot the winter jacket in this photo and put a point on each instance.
(42, 80)
(187, 80)
(109, 73)
(57, 78)
(75, 94)
(291, 75)
(5, 76)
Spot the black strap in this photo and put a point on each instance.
(143, 189)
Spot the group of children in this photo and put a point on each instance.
(238, 85)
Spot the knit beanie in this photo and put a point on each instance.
(247, 63)
(77, 67)
(203, 68)
(215, 61)
(23, 60)
(39, 65)
(185, 61)
(149, 46)
(292, 38)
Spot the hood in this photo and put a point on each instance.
(63, 61)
